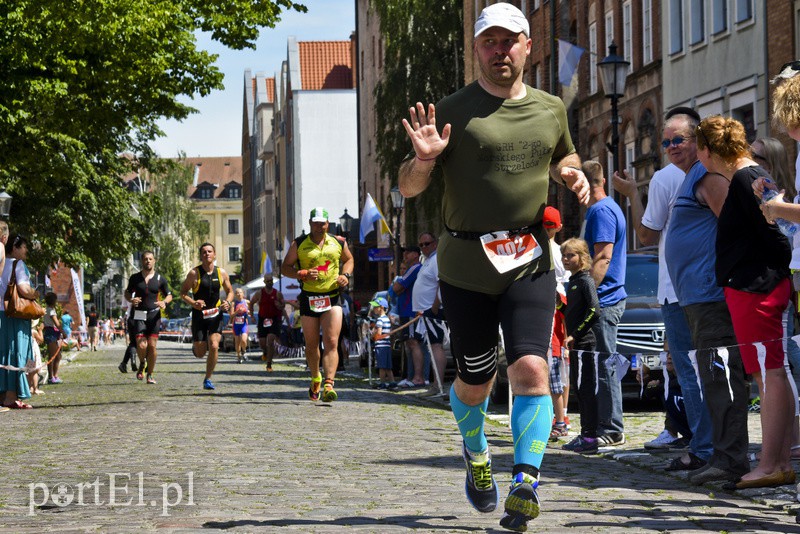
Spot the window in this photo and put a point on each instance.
(236, 191)
(233, 226)
(746, 115)
(627, 34)
(609, 28)
(675, 26)
(744, 10)
(204, 193)
(535, 4)
(698, 19)
(233, 254)
(647, 31)
(592, 58)
(720, 16)
(630, 157)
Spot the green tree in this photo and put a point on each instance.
(178, 229)
(423, 62)
(86, 80)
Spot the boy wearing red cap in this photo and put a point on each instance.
(559, 359)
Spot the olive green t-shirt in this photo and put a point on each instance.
(496, 173)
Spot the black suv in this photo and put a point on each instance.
(640, 331)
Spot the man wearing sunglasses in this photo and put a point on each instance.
(426, 301)
(651, 226)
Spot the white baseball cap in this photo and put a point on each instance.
(504, 15)
(319, 215)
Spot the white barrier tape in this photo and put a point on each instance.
(761, 353)
(693, 359)
(725, 357)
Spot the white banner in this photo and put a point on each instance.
(77, 286)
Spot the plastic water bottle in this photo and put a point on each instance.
(787, 228)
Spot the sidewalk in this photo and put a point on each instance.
(104, 452)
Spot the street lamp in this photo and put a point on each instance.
(346, 223)
(398, 201)
(5, 205)
(614, 74)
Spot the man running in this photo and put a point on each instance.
(149, 294)
(314, 259)
(494, 262)
(271, 309)
(204, 282)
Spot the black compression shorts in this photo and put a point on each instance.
(525, 312)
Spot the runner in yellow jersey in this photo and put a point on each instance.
(324, 266)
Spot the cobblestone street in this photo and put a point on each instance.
(104, 452)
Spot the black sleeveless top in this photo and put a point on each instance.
(207, 287)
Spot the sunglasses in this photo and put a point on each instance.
(675, 141)
(429, 243)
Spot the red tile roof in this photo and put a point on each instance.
(270, 90)
(325, 65)
(218, 171)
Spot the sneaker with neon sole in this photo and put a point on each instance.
(480, 486)
(313, 391)
(328, 393)
(522, 503)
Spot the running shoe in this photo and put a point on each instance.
(572, 444)
(328, 393)
(522, 503)
(123, 368)
(55, 380)
(611, 440)
(151, 380)
(480, 486)
(313, 391)
(587, 446)
(207, 384)
(665, 440)
(269, 367)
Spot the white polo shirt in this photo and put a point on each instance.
(662, 193)
(427, 285)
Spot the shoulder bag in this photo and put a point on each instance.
(18, 306)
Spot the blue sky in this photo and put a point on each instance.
(216, 130)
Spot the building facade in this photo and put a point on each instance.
(216, 191)
(258, 173)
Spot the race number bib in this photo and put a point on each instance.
(507, 253)
(239, 319)
(210, 313)
(139, 315)
(266, 323)
(319, 304)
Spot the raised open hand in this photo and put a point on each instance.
(428, 144)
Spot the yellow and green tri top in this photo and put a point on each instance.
(324, 259)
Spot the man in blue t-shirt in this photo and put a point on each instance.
(605, 234)
(403, 287)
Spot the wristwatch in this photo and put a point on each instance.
(348, 275)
